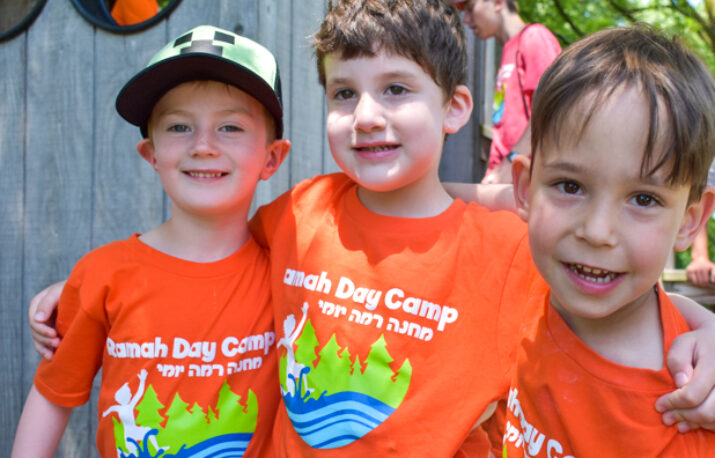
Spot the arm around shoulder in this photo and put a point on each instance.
(493, 196)
(40, 313)
(41, 426)
(691, 361)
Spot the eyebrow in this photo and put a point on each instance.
(183, 112)
(576, 168)
(397, 74)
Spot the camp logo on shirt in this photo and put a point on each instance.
(499, 91)
(338, 400)
(221, 430)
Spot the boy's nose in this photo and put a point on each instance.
(204, 144)
(597, 226)
(368, 114)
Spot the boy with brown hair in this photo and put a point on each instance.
(376, 269)
(178, 318)
(623, 133)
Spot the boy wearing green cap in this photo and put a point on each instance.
(178, 318)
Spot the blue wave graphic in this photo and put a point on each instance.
(335, 420)
(225, 446)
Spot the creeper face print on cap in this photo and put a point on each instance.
(204, 53)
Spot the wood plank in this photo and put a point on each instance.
(272, 17)
(307, 96)
(13, 320)
(127, 193)
(461, 149)
(329, 164)
(58, 168)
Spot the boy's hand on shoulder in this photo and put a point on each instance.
(41, 315)
(691, 360)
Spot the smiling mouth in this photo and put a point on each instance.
(593, 274)
(375, 149)
(205, 174)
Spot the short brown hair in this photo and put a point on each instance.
(672, 80)
(429, 32)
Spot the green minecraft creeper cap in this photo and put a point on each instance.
(204, 53)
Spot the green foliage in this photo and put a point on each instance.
(682, 259)
(190, 425)
(148, 409)
(693, 21)
(335, 372)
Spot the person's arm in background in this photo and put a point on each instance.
(701, 271)
(493, 196)
(501, 174)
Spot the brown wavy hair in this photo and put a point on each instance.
(429, 32)
(671, 78)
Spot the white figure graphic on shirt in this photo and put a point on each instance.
(125, 411)
(295, 371)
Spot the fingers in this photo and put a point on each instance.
(698, 277)
(680, 358)
(44, 339)
(45, 351)
(692, 405)
(41, 320)
(702, 416)
(46, 302)
(34, 304)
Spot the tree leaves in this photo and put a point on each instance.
(692, 20)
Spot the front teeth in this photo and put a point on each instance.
(592, 274)
(376, 148)
(205, 174)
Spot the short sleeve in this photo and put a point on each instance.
(539, 48)
(66, 380)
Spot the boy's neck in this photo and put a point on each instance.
(199, 239)
(632, 336)
(512, 25)
(407, 202)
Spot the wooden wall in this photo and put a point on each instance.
(70, 177)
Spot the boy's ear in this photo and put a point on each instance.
(146, 150)
(277, 152)
(696, 217)
(459, 110)
(522, 181)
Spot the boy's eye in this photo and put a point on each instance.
(178, 128)
(231, 128)
(396, 90)
(569, 187)
(344, 94)
(645, 200)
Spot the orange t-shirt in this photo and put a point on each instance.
(569, 401)
(394, 334)
(187, 350)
